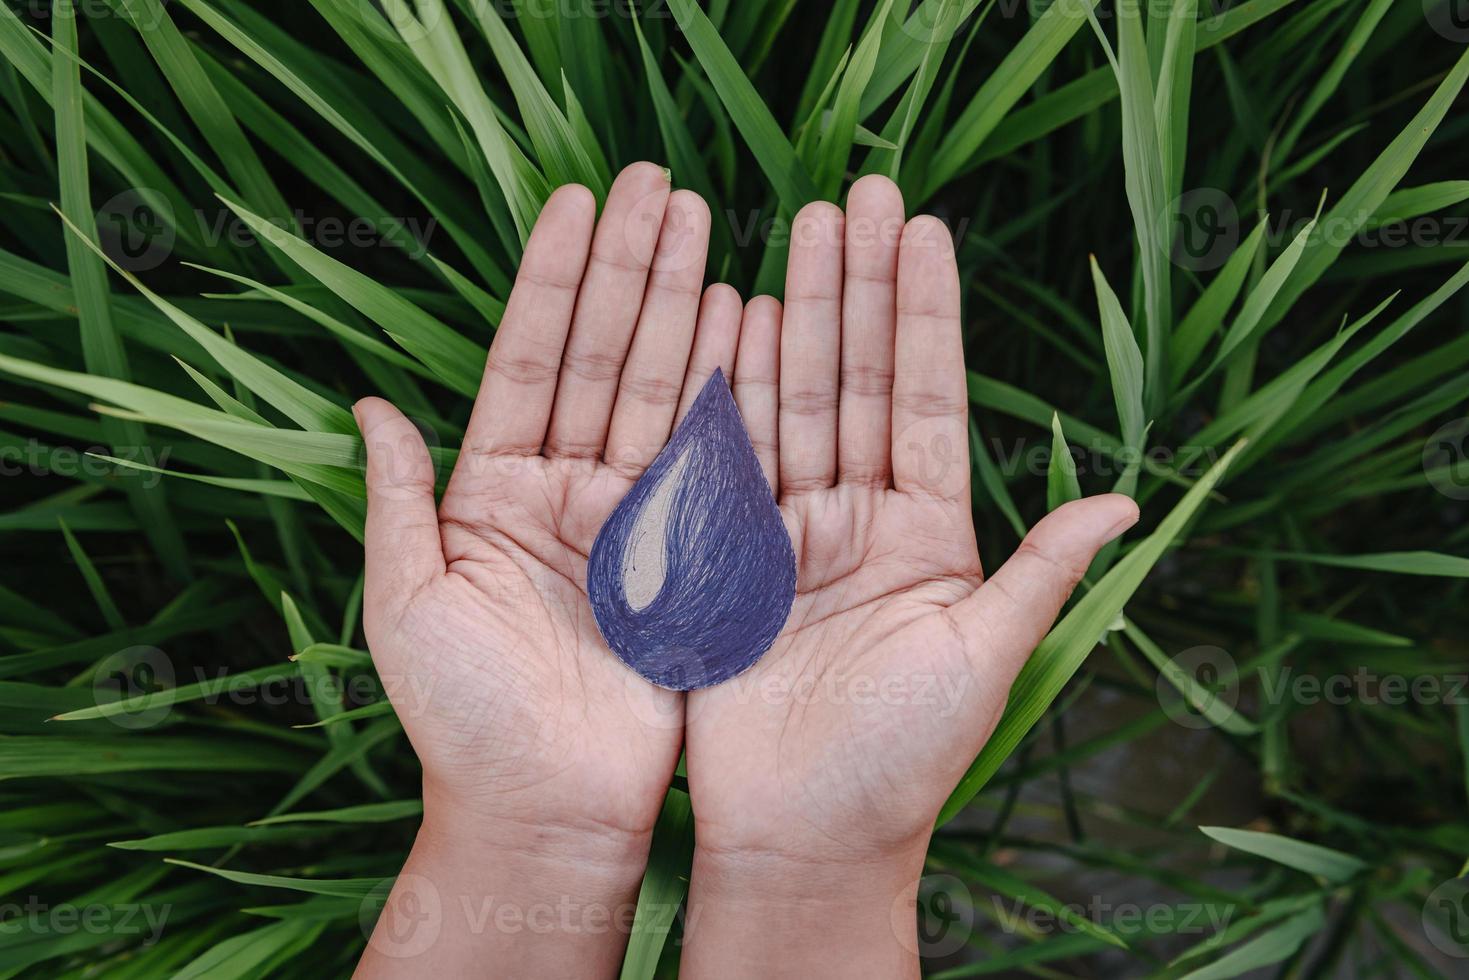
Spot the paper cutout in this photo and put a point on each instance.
(693, 575)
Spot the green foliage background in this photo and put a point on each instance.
(204, 143)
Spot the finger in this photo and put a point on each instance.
(652, 378)
(1010, 614)
(810, 350)
(864, 428)
(715, 340)
(607, 311)
(514, 404)
(402, 533)
(757, 382)
(930, 449)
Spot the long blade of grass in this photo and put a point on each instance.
(663, 887)
(1124, 361)
(997, 96)
(1368, 193)
(449, 355)
(792, 184)
(102, 349)
(1313, 859)
(1272, 947)
(1061, 653)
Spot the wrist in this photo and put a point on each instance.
(533, 899)
(532, 838)
(777, 912)
(810, 879)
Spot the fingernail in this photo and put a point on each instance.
(356, 414)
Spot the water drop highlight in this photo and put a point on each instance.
(692, 577)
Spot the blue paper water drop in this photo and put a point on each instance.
(693, 575)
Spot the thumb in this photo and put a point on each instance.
(1017, 605)
(402, 539)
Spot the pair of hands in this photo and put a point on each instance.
(815, 777)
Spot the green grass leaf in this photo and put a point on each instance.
(1313, 859)
(55, 755)
(1146, 181)
(102, 349)
(1057, 24)
(1061, 484)
(452, 357)
(664, 883)
(1369, 192)
(365, 813)
(1272, 947)
(1067, 645)
(341, 887)
(1398, 562)
(1205, 319)
(840, 131)
(1124, 361)
(95, 585)
(751, 117)
(565, 156)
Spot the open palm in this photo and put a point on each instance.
(476, 611)
(896, 662)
